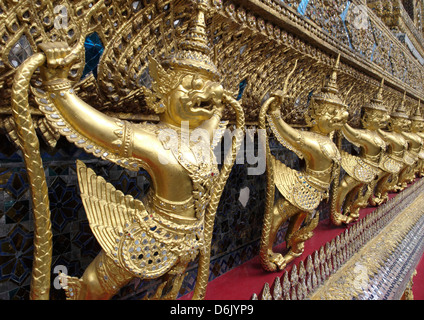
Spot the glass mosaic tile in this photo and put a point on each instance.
(20, 51)
(93, 51)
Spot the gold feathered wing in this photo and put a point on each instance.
(108, 210)
(142, 243)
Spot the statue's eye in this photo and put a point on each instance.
(331, 111)
(197, 84)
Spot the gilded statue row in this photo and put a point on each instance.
(157, 236)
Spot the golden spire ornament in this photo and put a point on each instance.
(193, 51)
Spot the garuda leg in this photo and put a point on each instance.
(300, 229)
(347, 192)
(101, 280)
(281, 212)
(382, 189)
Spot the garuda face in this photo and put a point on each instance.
(375, 119)
(195, 99)
(399, 124)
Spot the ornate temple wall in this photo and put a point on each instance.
(235, 241)
(253, 41)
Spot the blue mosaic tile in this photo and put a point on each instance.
(85, 241)
(17, 211)
(93, 51)
(17, 184)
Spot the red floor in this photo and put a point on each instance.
(248, 278)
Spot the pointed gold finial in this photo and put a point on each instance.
(400, 111)
(193, 51)
(331, 83)
(417, 115)
(377, 103)
(196, 38)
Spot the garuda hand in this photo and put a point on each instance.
(278, 98)
(60, 59)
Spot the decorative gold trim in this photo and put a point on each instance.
(344, 283)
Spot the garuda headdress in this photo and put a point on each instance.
(192, 55)
(417, 115)
(400, 112)
(377, 103)
(329, 92)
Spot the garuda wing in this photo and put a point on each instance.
(143, 243)
(108, 210)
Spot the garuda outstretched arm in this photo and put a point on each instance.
(107, 137)
(288, 136)
(352, 134)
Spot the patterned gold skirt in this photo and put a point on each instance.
(297, 188)
(357, 168)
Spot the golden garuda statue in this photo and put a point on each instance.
(361, 171)
(415, 143)
(300, 191)
(369, 167)
(386, 164)
(160, 234)
(396, 153)
(418, 128)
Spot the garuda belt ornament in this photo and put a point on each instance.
(156, 236)
(300, 191)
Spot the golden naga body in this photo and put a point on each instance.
(160, 234)
(300, 191)
(397, 148)
(362, 171)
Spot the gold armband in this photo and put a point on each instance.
(57, 85)
(125, 135)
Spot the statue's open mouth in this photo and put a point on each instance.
(203, 105)
(205, 101)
